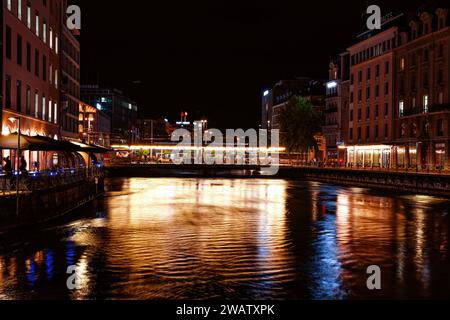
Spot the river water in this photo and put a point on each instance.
(234, 239)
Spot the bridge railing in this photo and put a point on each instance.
(46, 179)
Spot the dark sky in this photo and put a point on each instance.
(216, 57)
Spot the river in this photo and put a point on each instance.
(234, 239)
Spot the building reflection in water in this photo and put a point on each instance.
(258, 239)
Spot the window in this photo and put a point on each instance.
(360, 74)
(50, 107)
(19, 9)
(350, 134)
(377, 70)
(55, 113)
(28, 57)
(425, 79)
(50, 74)
(37, 23)
(51, 38)
(351, 115)
(367, 133)
(440, 127)
(425, 103)
(359, 114)
(359, 95)
(441, 97)
(402, 64)
(386, 88)
(401, 108)
(359, 133)
(368, 93)
(29, 15)
(44, 32)
(44, 107)
(8, 43)
(386, 131)
(28, 100)
(36, 62)
(425, 55)
(369, 73)
(386, 109)
(8, 92)
(56, 79)
(56, 44)
(377, 91)
(368, 113)
(377, 132)
(377, 111)
(36, 104)
(387, 67)
(19, 96)
(19, 50)
(44, 68)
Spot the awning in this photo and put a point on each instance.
(38, 143)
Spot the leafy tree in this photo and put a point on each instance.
(299, 124)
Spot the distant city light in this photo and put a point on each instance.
(266, 93)
(331, 85)
(99, 106)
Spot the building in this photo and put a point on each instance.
(370, 141)
(275, 99)
(423, 91)
(70, 82)
(94, 126)
(121, 110)
(30, 69)
(154, 130)
(335, 128)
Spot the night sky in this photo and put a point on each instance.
(213, 58)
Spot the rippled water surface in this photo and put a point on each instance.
(226, 239)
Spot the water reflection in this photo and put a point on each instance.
(254, 239)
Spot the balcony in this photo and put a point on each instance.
(431, 109)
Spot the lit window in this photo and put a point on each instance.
(56, 44)
(50, 110)
(29, 16)
(51, 38)
(401, 108)
(402, 64)
(8, 4)
(37, 23)
(44, 107)
(55, 119)
(19, 9)
(36, 105)
(425, 103)
(44, 32)
(56, 79)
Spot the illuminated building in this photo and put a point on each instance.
(371, 114)
(121, 110)
(94, 126)
(335, 127)
(422, 105)
(31, 68)
(70, 82)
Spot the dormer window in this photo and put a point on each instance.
(426, 19)
(442, 17)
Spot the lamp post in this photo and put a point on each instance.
(14, 119)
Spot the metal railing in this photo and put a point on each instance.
(46, 179)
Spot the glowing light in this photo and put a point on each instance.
(194, 148)
(266, 93)
(331, 85)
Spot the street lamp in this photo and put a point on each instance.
(13, 120)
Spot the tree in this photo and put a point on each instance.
(299, 124)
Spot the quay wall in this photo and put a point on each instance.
(43, 205)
